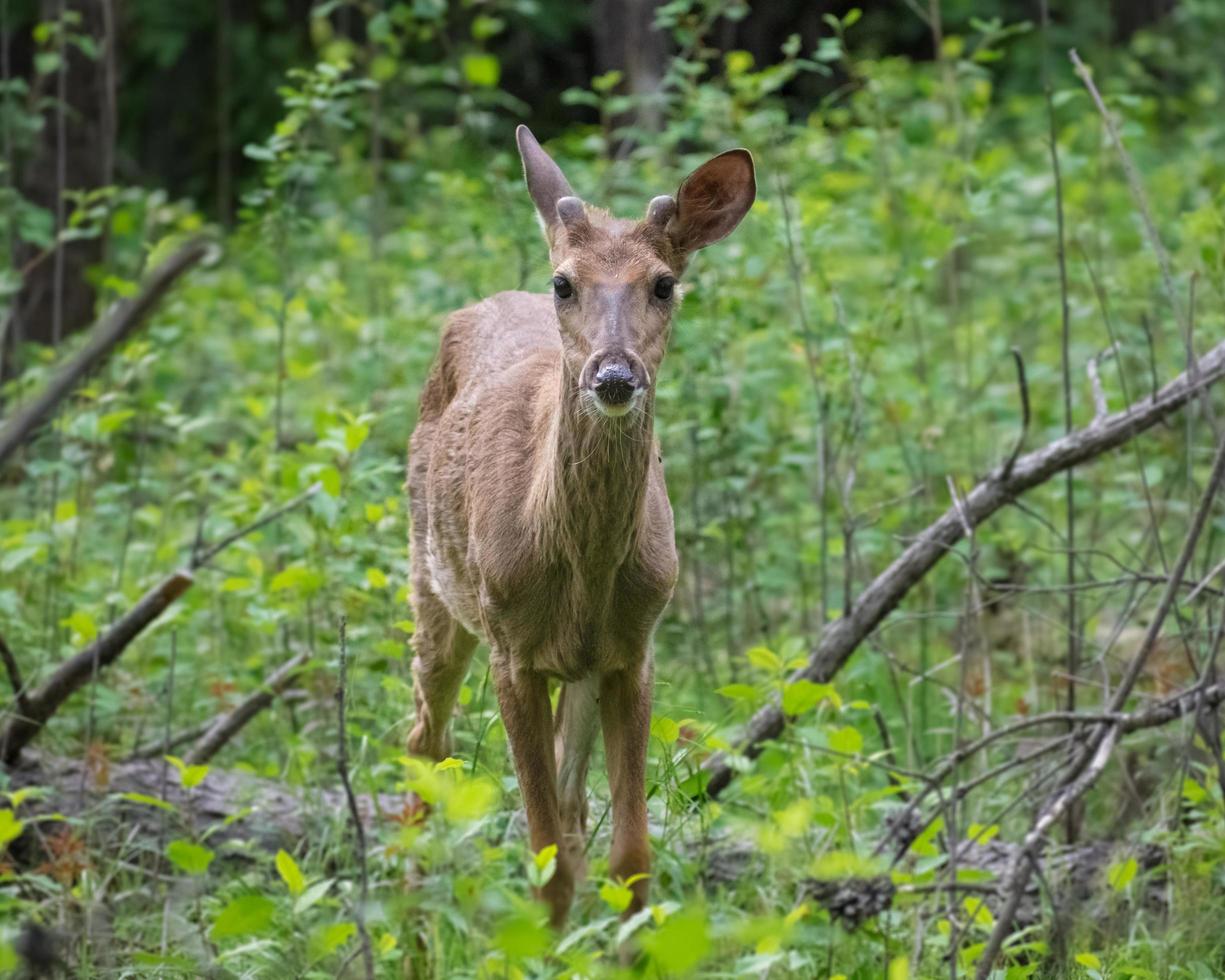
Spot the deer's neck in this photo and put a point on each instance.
(590, 480)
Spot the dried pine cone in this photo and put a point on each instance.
(903, 825)
(852, 901)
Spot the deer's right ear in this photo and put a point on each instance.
(712, 200)
(545, 181)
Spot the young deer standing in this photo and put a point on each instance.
(540, 519)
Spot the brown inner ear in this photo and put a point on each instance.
(713, 199)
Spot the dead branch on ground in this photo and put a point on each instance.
(1097, 749)
(43, 702)
(224, 728)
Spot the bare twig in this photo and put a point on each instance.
(1100, 408)
(1136, 186)
(14, 672)
(224, 728)
(342, 766)
(1203, 583)
(1023, 387)
(1072, 660)
(127, 316)
(168, 742)
(843, 636)
(203, 557)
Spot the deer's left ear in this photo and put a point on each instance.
(712, 200)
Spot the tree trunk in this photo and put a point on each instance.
(75, 152)
(627, 40)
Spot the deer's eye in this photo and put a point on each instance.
(562, 288)
(664, 286)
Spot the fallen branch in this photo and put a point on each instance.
(230, 805)
(127, 316)
(165, 744)
(223, 729)
(72, 674)
(69, 676)
(841, 638)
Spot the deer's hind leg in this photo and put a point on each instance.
(443, 652)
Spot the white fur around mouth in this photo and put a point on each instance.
(617, 411)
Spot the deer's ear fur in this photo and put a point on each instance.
(712, 200)
(545, 181)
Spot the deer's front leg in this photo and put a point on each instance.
(625, 712)
(523, 697)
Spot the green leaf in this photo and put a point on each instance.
(329, 476)
(111, 421)
(982, 833)
(329, 938)
(312, 895)
(846, 740)
(377, 578)
(1089, 960)
(290, 873)
(764, 658)
(82, 623)
(922, 845)
(1193, 792)
(665, 729)
(543, 866)
(245, 916)
(189, 857)
(681, 943)
(1120, 874)
(470, 800)
(617, 896)
(484, 26)
(803, 695)
(148, 801)
(355, 435)
(10, 828)
(189, 776)
(738, 692)
(482, 70)
(521, 936)
(844, 864)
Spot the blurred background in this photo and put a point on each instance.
(841, 368)
(168, 95)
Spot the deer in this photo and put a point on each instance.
(540, 520)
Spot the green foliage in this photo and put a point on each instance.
(836, 364)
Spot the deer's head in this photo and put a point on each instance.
(616, 283)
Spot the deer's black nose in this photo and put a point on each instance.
(614, 382)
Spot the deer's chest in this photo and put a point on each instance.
(560, 618)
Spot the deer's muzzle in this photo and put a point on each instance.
(615, 378)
